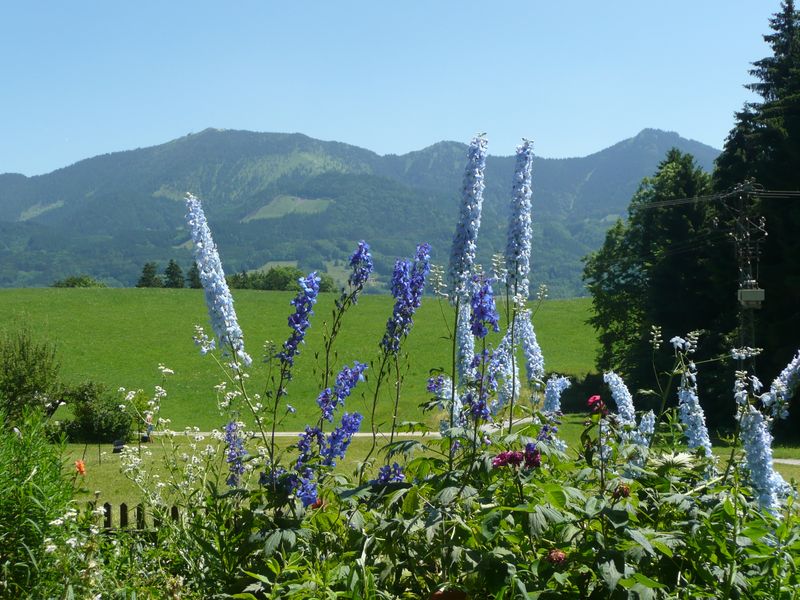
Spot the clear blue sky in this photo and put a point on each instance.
(82, 78)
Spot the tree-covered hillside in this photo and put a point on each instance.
(289, 198)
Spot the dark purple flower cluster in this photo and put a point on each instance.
(339, 439)
(307, 487)
(408, 283)
(346, 380)
(303, 303)
(531, 458)
(361, 263)
(234, 453)
(389, 474)
(484, 311)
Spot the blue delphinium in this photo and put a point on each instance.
(623, 399)
(298, 321)
(306, 487)
(361, 265)
(305, 446)
(505, 372)
(534, 360)
(757, 443)
(465, 343)
(553, 389)
(780, 391)
(462, 254)
(212, 277)
(235, 453)
(518, 249)
(484, 311)
(408, 284)
(479, 391)
(339, 439)
(346, 380)
(389, 474)
(691, 413)
(442, 389)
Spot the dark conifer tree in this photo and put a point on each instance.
(150, 276)
(173, 275)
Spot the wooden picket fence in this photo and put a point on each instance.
(133, 518)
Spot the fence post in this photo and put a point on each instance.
(139, 516)
(123, 515)
(108, 521)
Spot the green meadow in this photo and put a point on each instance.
(120, 336)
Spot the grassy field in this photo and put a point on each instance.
(119, 336)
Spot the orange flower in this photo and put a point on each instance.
(80, 467)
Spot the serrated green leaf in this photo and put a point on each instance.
(609, 574)
(640, 539)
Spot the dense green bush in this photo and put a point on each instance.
(96, 414)
(29, 371)
(78, 281)
(33, 494)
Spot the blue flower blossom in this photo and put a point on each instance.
(389, 474)
(361, 265)
(553, 389)
(781, 389)
(234, 453)
(305, 446)
(346, 380)
(623, 399)
(484, 311)
(465, 343)
(339, 439)
(691, 413)
(505, 372)
(306, 489)
(757, 443)
(462, 254)
(212, 277)
(408, 284)
(534, 361)
(518, 249)
(298, 321)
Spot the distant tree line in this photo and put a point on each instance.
(282, 278)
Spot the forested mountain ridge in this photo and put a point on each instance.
(288, 197)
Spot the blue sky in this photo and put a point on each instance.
(83, 78)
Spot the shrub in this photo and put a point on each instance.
(97, 416)
(33, 493)
(28, 374)
(78, 281)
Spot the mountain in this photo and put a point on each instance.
(275, 197)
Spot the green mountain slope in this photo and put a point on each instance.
(273, 197)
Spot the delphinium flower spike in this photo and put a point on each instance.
(553, 389)
(462, 254)
(781, 389)
(518, 248)
(757, 443)
(218, 296)
(298, 321)
(408, 283)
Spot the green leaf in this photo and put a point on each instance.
(609, 573)
(447, 495)
(640, 539)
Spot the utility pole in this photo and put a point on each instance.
(749, 233)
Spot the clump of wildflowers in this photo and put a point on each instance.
(218, 296)
(691, 413)
(623, 398)
(462, 254)
(408, 283)
(298, 321)
(518, 249)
